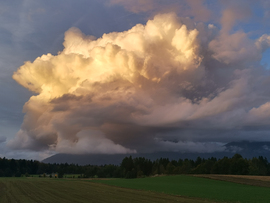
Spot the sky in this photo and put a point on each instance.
(125, 76)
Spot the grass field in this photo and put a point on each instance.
(186, 189)
(262, 181)
(197, 187)
(50, 190)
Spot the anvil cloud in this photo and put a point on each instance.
(171, 84)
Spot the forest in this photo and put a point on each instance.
(139, 167)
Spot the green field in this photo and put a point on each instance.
(196, 187)
(51, 190)
(187, 189)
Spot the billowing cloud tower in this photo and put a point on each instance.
(171, 84)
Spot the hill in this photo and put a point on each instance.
(245, 148)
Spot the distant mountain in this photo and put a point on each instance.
(249, 149)
(245, 148)
(101, 159)
(254, 146)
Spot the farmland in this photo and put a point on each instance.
(47, 190)
(180, 188)
(262, 181)
(190, 186)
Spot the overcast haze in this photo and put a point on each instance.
(122, 76)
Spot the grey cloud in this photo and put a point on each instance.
(195, 9)
(2, 139)
(188, 146)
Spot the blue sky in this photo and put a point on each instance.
(29, 29)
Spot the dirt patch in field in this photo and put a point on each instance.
(262, 181)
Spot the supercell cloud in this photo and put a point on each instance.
(171, 84)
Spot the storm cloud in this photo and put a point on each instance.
(171, 84)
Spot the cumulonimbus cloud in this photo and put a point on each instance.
(127, 91)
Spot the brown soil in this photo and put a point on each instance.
(262, 181)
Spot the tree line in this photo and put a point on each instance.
(140, 167)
